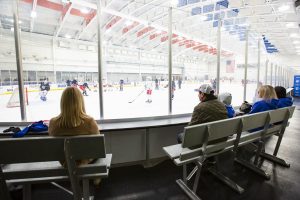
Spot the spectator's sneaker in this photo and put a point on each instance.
(9, 129)
(12, 129)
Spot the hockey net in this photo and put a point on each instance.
(14, 100)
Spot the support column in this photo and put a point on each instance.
(266, 72)
(218, 57)
(246, 65)
(19, 59)
(170, 59)
(271, 80)
(54, 60)
(100, 60)
(258, 64)
(276, 75)
(140, 72)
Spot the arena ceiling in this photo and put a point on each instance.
(144, 23)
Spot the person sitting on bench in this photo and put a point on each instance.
(73, 119)
(209, 109)
(283, 100)
(268, 100)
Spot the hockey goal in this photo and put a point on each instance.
(14, 100)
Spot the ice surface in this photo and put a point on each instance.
(116, 103)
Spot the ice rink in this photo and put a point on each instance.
(116, 103)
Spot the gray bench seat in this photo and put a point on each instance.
(239, 131)
(34, 160)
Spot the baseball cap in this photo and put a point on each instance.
(205, 88)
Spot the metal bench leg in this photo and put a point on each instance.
(184, 172)
(253, 168)
(86, 189)
(27, 191)
(183, 183)
(259, 150)
(4, 193)
(226, 180)
(192, 173)
(187, 190)
(275, 159)
(196, 181)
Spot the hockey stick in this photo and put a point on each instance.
(136, 96)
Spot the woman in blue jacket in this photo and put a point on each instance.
(283, 100)
(267, 100)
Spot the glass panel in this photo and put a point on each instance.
(54, 52)
(194, 57)
(251, 95)
(135, 71)
(233, 59)
(9, 96)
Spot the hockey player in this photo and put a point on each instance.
(44, 87)
(83, 87)
(148, 87)
(74, 83)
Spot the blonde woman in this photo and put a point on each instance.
(72, 119)
(267, 100)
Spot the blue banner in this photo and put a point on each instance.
(297, 85)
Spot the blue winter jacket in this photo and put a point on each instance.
(264, 105)
(285, 102)
(230, 111)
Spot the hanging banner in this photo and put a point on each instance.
(297, 85)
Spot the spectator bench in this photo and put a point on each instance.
(33, 160)
(196, 146)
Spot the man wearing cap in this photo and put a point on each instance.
(209, 109)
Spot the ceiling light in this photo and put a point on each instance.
(84, 11)
(297, 47)
(33, 14)
(283, 8)
(12, 29)
(158, 32)
(294, 35)
(67, 36)
(174, 3)
(128, 23)
(203, 17)
(291, 25)
(296, 42)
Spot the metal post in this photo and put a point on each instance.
(170, 59)
(271, 80)
(266, 72)
(276, 75)
(54, 60)
(258, 63)
(283, 76)
(246, 65)
(286, 79)
(289, 78)
(140, 72)
(279, 76)
(281, 81)
(19, 60)
(218, 56)
(100, 60)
